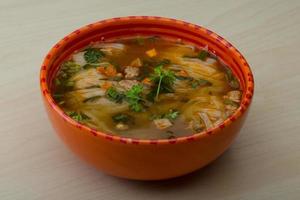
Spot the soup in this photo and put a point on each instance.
(146, 88)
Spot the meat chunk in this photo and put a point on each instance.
(79, 58)
(127, 84)
(87, 78)
(162, 123)
(122, 126)
(131, 72)
(213, 114)
(234, 95)
(205, 120)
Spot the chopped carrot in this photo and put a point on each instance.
(110, 71)
(147, 81)
(101, 69)
(136, 63)
(151, 53)
(183, 73)
(106, 85)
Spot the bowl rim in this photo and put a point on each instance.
(245, 102)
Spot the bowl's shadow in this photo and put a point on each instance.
(215, 175)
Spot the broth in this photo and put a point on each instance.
(146, 88)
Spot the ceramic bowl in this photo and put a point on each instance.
(137, 158)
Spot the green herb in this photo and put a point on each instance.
(115, 95)
(153, 38)
(163, 79)
(232, 81)
(61, 102)
(164, 62)
(170, 134)
(200, 82)
(133, 97)
(93, 55)
(90, 65)
(154, 62)
(93, 86)
(123, 118)
(56, 95)
(69, 83)
(140, 41)
(172, 114)
(187, 56)
(78, 116)
(184, 78)
(203, 54)
(91, 99)
(230, 102)
(57, 82)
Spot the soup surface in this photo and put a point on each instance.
(146, 87)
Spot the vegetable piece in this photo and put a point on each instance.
(109, 70)
(162, 123)
(184, 78)
(136, 63)
(122, 127)
(171, 115)
(57, 82)
(200, 82)
(205, 120)
(123, 118)
(163, 79)
(147, 81)
(231, 79)
(203, 54)
(151, 53)
(114, 95)
(133, 97)
(170, 134)
(234, 95)
(230, 102)
(78, 116)
(140, 41)
(183, 73)
(106, 85)
(93, 55)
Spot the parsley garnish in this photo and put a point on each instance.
(203, 54)
(163, 79)
(172, 114)
(115, 95)
(200, 82)
(78, 116)
(123, 118)
(231, 79)
(133, 97)
(93, 55)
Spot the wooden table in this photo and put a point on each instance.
(263, 163)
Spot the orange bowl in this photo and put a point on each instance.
(137, 158)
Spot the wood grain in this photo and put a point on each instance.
(263, 163)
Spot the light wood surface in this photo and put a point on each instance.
(264, 161)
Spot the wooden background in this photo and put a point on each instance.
(263, 163)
